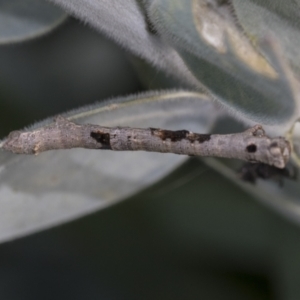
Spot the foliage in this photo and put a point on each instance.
(22, 20)
(234, 64)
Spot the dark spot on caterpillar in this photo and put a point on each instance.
(274, 144)
(102, 138)
(223, 2)
(251, 148)
(201, 138)
(176, 136)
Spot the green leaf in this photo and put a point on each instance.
(37, 192)
(283, 199)
(280, 18)
(25, 19)
(294, 137)
(126, 22)
(225, 62)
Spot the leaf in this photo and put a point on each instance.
(221, 57)
(25, 19)
(37, 192)
(282, 18)
(127, 24)
(293, 137)
(283, 199)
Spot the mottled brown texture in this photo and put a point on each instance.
(178, 135)
(102, 138)
(174, 136)
(201, 138)
(251, 145)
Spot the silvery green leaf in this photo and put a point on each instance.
(293, 136)
(283, 199)
(126, 22)
(223, 59)
(276, 17)
(25, 19)
(38, 192)
(153, 79)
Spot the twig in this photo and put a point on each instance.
(251, 145)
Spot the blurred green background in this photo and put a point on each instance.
(194, 235)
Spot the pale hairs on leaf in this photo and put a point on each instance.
(125, 22)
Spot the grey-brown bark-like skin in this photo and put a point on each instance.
(251, 145)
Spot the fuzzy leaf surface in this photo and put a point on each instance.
(278, 18)
(225, 62)
(127, 23)
(25, 19)
(282, 199)
(37, 192)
